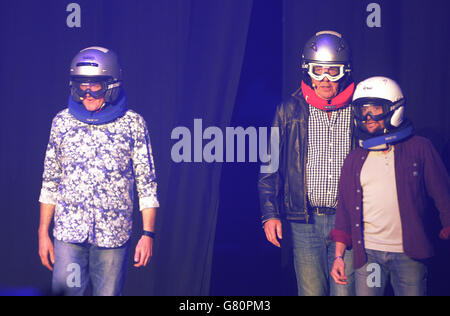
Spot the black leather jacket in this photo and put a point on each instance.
(283, 193)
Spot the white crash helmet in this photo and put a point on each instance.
(380, 91)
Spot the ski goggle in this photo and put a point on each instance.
(96, 89)
(320, 71)
(375, 108)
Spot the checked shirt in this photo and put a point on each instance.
(329, 142)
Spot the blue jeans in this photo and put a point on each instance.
(314, 258)
(77, 264)
(408, 277)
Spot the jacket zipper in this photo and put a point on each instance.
(305, 153)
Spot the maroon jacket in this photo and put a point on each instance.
(419, 173)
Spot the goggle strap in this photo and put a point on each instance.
(114, 85)
(397, 104)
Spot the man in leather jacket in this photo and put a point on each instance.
(315, 130)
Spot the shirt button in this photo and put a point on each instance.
(359, 242)
(357, 225)
(358, 191)
(357, 208)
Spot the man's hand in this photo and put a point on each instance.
(46, 250)
(273, 231)
(45, 243)
(445, 233)
(143, 251)
(338, 271)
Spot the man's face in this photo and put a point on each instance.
(89, 102)
(325, 89)
(371, 125)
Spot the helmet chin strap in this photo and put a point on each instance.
(394, 137)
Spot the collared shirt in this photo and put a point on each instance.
(329, 142)
(89, 175)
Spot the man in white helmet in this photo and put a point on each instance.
(98, 149)
(383, 195)
(315, 129)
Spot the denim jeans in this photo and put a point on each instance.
(77, 264)
(408, 277)
(314, 254)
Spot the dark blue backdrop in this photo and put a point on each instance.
(228, 62)
(413, 34)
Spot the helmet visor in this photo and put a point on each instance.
(320, 71)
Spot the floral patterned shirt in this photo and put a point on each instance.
(89, 175)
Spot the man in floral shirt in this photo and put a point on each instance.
(98, 149)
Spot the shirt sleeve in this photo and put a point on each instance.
(269, 183)
(52, 168)
(342, 229)
(144, 167)
(437, 182)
